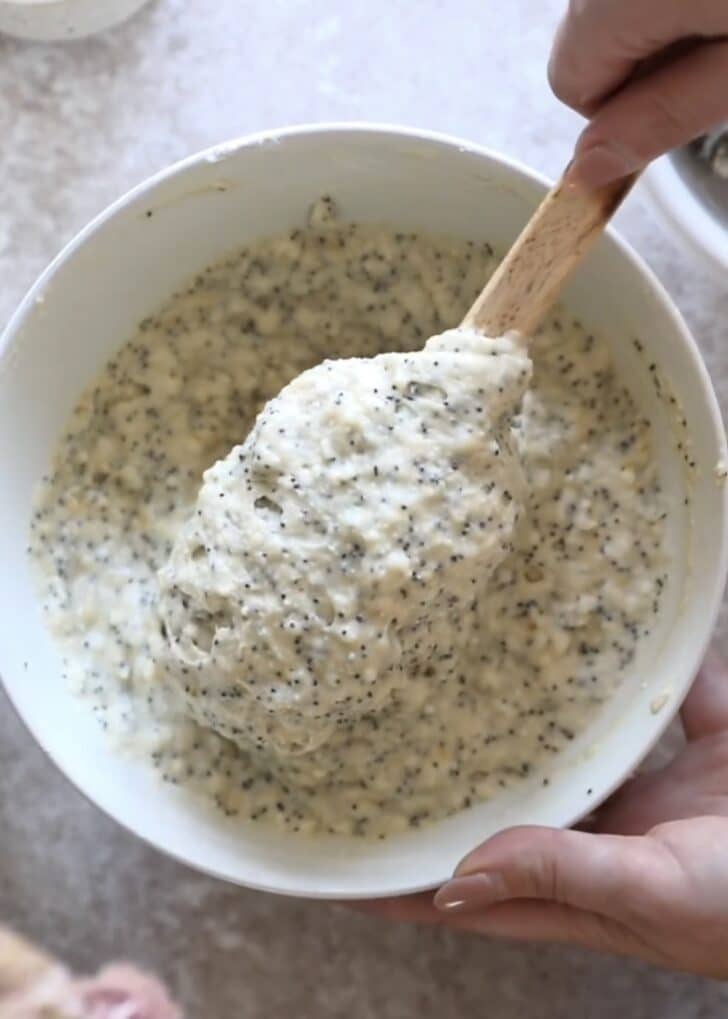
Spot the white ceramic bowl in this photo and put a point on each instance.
(56, 20)
(125, 263)
(685, 213)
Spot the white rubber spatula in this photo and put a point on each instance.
(552, 244)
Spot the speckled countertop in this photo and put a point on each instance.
(82, 123)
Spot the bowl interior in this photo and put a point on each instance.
(127, 263)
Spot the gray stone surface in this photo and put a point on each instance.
(79, 125)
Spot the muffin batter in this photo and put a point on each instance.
(560, 620)
(341, 550)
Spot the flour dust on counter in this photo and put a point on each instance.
(549, 639)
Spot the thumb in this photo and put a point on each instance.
(604, 874)
(653, 114)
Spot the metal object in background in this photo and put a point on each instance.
(703, 165)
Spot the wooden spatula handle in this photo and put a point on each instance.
(553, 242)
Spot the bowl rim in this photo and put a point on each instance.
(215, 154)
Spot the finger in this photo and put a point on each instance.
(652, 115)
(529, 920)
(705, 710)
(596, 873)
(524, 920)
(600, 42)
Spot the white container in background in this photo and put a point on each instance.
(143, 248)
(56, 20)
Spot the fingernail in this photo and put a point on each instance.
(466, 894)
(598, 166)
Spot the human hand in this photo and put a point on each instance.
(650, 882)
(599, 46)
(33, 984)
